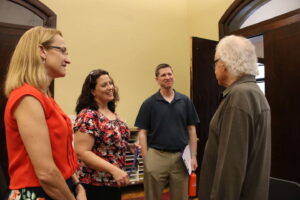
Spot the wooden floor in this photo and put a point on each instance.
(136, 191)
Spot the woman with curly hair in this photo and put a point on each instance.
(101, 138)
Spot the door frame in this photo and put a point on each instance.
(245, 8)
(40, 9)
(263, 28)
(49, 20)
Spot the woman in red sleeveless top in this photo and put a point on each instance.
(42, 161)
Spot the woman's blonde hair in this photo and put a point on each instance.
(26, 64)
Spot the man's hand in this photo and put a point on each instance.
(194, 164)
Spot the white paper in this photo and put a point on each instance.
(186, 157)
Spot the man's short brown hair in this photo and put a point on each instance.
(161, 66)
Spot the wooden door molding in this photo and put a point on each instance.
(236, 14)
(40, 9)
(270, 24)
(239, 11)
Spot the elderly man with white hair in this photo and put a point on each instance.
(236, 162)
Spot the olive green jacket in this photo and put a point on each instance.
(236, 162)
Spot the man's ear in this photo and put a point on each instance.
(43, 52)
(224, 68)
(156, 79)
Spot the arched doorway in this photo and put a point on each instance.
(16, 16)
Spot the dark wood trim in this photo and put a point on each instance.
(261, 60)
(40, 9)
(15, 26)
(274, 23)
(236, 14)
(195, 40)
(204, 89)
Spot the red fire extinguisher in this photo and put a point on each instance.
(193, 184)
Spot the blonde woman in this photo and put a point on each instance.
(42, 161)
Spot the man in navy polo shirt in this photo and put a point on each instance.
(166, 122)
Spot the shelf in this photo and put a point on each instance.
(137, 175)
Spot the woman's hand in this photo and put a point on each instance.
(120, 176)
(80, 193)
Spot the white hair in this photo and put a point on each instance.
(238, 54)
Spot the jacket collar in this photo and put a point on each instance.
(243, 79)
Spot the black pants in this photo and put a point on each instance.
(102, 192)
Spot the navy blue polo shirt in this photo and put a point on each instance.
(166, 122)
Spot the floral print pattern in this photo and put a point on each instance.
(111, 141)
(24, 194)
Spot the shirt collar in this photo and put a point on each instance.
(159, 97)
(243, 79)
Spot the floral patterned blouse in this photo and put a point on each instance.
(111, 141)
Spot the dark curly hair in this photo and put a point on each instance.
(86, 99)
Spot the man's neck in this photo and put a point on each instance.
(230, 80)
(167, 93)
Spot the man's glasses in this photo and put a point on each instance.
(216, 61)
(63, 50)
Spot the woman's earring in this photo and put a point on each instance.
(43, 60)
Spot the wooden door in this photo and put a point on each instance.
(9, 36)
(16, 17)
(204, 89)
(282, 75)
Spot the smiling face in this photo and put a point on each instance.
(165, 78)
(104, 90)
(55, 57)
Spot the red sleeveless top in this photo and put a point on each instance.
(20, 168)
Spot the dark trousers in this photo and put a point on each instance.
(102, 192)
(38, 192)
